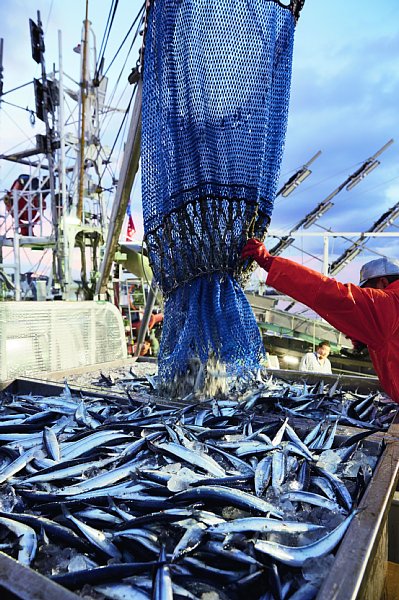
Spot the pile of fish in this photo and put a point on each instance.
(220, 499)
(319, 401)
(373, 411)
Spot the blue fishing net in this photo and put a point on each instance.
(216, 86)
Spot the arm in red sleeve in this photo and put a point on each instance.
(364, 314)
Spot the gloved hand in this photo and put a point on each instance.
(256, 250)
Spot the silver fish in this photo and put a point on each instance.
(190, 540)
(95, 537)
(262, 475)
(51, 444)
(121, 591)
(27, 539)
(262, 525)
(295, 556)
(230, 496)
(205, 463)
(310, 498)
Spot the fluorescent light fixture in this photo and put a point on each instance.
(291, 360)
(303, 175)
(373, 165)
(318, 213)
(293, 183)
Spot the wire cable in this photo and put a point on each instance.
(124, 39)
(16, 125)
(119, 132)
(107, 31)
(19, 87)
(48, 16)
(17, 106)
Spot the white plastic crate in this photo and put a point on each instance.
(55, 336)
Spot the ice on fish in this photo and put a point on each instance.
(172, 468)
(8, 499)
(182, 480)
(329, 460)
(230, 513)
(294, 486)
(80, 563)
(210, 596)
(287, 507)
(359, 460)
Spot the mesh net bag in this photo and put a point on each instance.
(216, 84)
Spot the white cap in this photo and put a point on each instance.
(381, 267)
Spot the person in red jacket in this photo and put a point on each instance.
(367, 313)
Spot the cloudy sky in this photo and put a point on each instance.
(344, 102)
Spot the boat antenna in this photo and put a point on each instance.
(1, 67)
(83, 102)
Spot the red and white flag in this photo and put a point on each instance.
(131, 229)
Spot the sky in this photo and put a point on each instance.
(344, 102)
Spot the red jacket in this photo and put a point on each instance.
(368, 315)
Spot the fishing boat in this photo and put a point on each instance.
(60, 207)
(67, 205)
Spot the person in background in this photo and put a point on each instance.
(317, 361)
(154, 343)
(145, 347)
(367, 313)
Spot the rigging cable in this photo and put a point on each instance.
(48, 16)
(114, 91)
(17, 88)
(29, 110)
(115, 87)
(124, 39)
(119, 131)
(111, 97)
(104, 42)
(108, 164)
(17, 126)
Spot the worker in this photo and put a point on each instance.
(317, 361)
(154, 343)
(367, 313)
(145, 347)
(30, 206)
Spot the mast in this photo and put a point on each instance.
(1, 67)
(46, 99)
(64, 165)
(83, 102)
(62, 176)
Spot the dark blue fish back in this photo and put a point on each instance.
(215, 103)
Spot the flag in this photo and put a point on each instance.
(131, 230)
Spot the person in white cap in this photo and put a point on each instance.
(367, 313)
